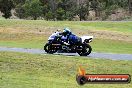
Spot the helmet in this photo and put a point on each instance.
(66, 31)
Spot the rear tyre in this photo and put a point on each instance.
(86, 50)
(48, 48)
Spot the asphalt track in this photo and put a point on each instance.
(92, 55)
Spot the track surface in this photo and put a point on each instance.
(93, 55)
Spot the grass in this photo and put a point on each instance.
(2, 18)
(20, 70)
(114, 46)
(23, 44)
(124, 27)
(113, 37)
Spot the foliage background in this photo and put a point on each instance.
(67, 9)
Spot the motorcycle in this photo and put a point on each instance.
(56, 44)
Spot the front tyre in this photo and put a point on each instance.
(48, 48)
(86, 50)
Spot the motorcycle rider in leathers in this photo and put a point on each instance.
(71, 39)
(67, 37)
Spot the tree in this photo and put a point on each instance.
(94, 6)
(48, 8)
(83, 9)
(17, 2)
(5, 7)
(49, 16)
(53, 7)
(33, 8)
(20, 12)
(68, 7)
(60, 14)
(130, 6)
(62, 9)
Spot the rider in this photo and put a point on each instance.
(66, 32)
(55, 34)
(71, 38)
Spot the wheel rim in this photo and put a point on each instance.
(85, 51)
(49, 49)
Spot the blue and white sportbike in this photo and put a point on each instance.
(72, 44)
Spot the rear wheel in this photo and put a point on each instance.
(86, 50)
(48, 48)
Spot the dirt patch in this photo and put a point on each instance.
(47, 31)
(18, 33)
(104, 34)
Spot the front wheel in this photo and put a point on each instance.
(86, 50)
(48, 48)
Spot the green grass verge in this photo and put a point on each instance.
(113, 46)
(20, 70)
(124, 27)
(23, 44)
